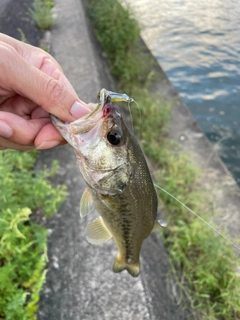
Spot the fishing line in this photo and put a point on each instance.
(130, 113)
(140, 118)
(208, 224)
(215, 146)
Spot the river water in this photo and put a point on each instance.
(197, 44)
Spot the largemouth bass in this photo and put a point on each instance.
(119, 185)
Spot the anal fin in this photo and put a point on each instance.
(97, 232)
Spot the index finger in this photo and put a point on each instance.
(19, 76)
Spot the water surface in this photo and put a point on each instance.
(197, 44)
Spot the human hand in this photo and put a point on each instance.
(32, 85)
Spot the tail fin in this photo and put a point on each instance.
(120, 265)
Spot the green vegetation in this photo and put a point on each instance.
(119, 41)
(22, 35)
(25, 198)
(203, 265)
(42, 14)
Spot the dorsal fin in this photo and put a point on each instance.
(158, 224)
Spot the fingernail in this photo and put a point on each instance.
(5, 130)
(48, 144)
(78, 110)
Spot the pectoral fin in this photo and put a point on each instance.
(86, 203)
(97, 232)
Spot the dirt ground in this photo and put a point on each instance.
(15, 21)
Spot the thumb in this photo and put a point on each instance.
(52, 92)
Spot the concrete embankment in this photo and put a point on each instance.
(80, 283)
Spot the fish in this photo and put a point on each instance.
(118, 182)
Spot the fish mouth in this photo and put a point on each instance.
(56, 121)
(108, 109)
(107, 98)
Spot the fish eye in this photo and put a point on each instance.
(114, 137)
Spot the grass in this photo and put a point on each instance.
(120, 47)
(203, 265)
(42, 14)
(25, 198)
(22, 35)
